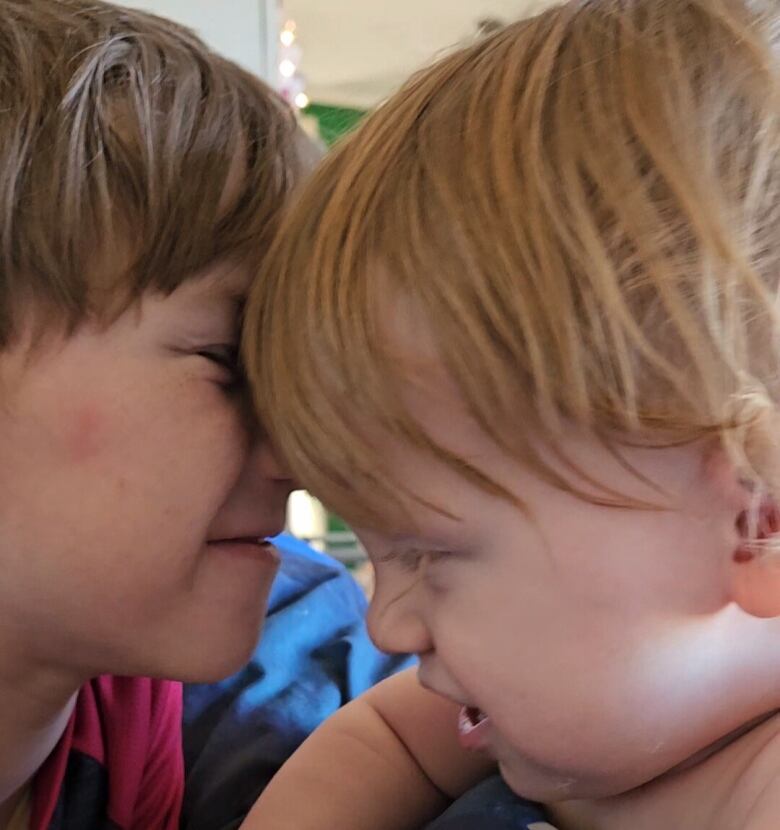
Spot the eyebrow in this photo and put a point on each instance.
(231, 299)
(228, 294)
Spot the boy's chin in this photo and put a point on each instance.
(213, 672)
(200, 658)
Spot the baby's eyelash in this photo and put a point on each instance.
(410, 559)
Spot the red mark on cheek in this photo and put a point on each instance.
(84, 435)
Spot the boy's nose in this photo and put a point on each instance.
(268, 464)
(257, 505)
(395, 626)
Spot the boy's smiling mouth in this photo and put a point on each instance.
(247, 548)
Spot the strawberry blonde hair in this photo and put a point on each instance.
(583, 208)
(119, 132)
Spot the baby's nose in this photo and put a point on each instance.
(396, 628)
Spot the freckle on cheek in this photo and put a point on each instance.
(84, 434)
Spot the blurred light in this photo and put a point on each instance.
(302, 100)
(287, 68)
(307, 518)
(287, 37)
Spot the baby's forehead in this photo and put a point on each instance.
(408, 337)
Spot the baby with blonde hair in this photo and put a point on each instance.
(522, 331)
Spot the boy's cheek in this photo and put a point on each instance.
(85, 433)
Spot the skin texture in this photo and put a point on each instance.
(128, 468)
(734, 787)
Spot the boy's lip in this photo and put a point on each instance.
(255, 546)
(247, 533)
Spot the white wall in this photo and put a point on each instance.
(356, 52)
(243, 30)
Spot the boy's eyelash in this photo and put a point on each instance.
(224, 356)
(228, 359)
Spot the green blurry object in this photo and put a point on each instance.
(342, 542)
(335, 524)
(334, 122)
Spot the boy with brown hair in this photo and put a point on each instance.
(139, 174)
(141, 180)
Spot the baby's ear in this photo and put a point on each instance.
(753, 566)
(754, 571)
(755, 562)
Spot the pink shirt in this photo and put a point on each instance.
(119, 764)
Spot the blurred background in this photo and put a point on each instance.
(334, 60)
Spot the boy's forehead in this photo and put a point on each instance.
(221, 288)
(222, 281)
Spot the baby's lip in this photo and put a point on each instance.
(473, 724)
(423, 674)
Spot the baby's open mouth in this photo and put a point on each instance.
(473, 726)
(475, 716)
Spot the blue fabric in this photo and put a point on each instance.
(315, 656)
(491, 805)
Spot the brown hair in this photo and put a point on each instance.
(583, 208)
(120, 137)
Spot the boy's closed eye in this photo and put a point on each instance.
(226, 357)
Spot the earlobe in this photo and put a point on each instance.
(753, 568)
(755, 583)
(755, 565)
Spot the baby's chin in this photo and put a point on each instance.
(549, 785)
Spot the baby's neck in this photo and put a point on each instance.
(736, 787)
